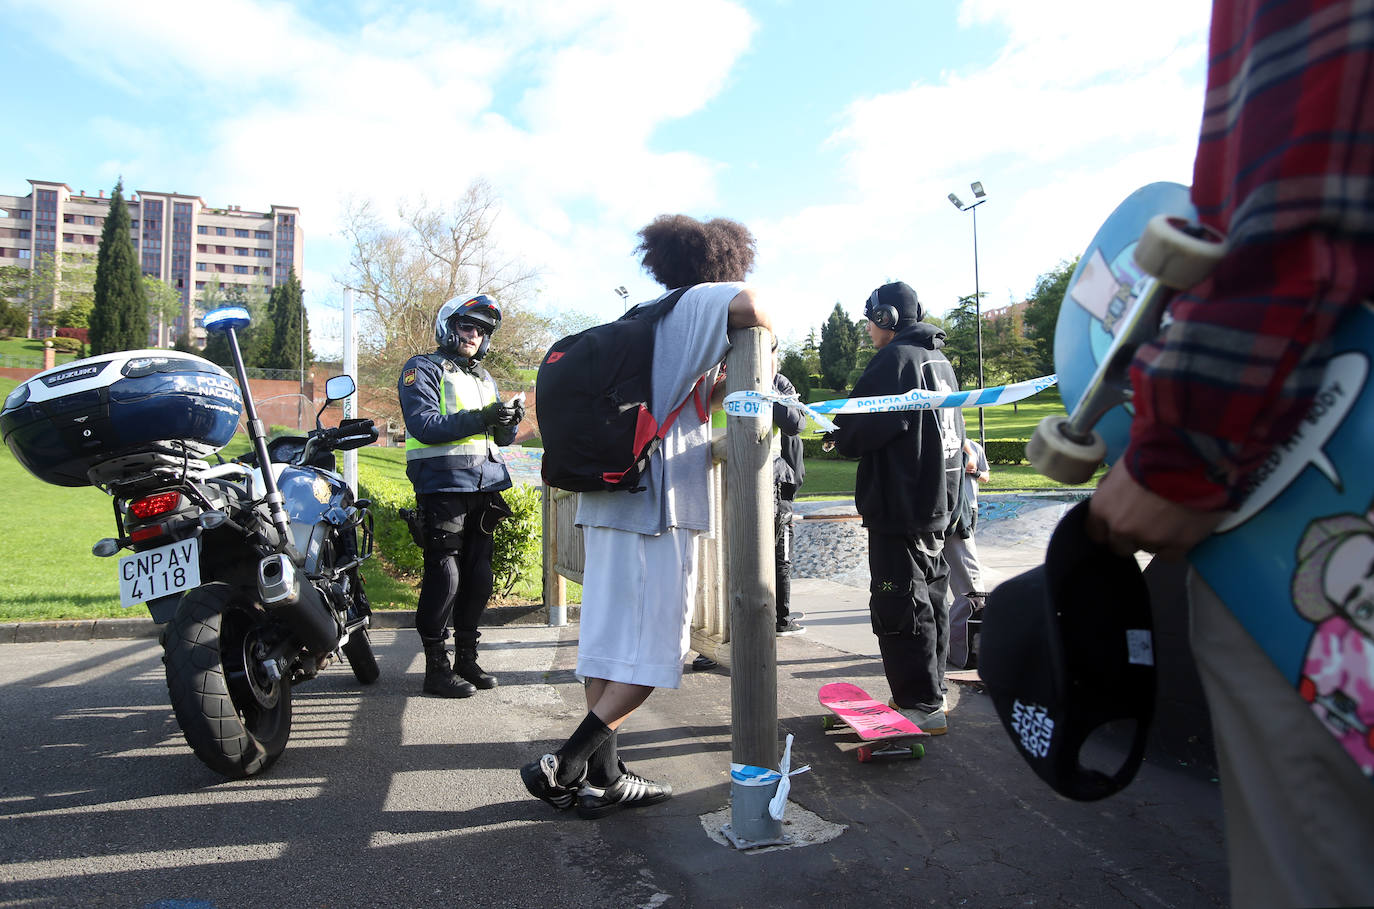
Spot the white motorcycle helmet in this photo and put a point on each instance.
(481, 310)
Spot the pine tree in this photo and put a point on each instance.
(119, 316)
(838, 345)
(285, 311)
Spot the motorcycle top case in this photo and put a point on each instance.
(65, 420)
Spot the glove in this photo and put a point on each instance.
(494, 414)
(500, 414)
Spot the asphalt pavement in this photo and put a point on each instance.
(385, 797)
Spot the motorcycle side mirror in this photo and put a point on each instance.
(336, 388)
(339, 387)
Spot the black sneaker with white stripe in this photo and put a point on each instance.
(541, 779)
(629, 791)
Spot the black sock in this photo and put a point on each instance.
(579, 748)
(603, 767)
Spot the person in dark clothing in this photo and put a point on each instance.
(906, 490)
(454, 422)
(789, 472)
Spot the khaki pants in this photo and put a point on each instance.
(1299, 813)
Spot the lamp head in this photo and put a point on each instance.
(955, 201)
(977, 188)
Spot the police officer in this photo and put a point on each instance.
(454, 422)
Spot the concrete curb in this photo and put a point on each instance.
(145, 627)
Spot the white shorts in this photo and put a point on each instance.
(637, 598)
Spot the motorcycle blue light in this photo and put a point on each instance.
(225, 318)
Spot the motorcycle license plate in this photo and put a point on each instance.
(159, 572)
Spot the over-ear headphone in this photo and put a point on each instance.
(882, 315)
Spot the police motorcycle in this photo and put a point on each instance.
(252, 573)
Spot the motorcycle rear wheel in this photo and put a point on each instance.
(361, 659)
(235, 718)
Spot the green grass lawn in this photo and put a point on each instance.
(30, 350)
(48, 531)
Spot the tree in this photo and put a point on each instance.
(1008, 355)
(793, 365)
(14, 310)
(404, 272)
(119, 317)
(961, 341)
(164, 304)
(255, 340)
(55, 291)
(285, 312)
(1042, 315)
(838, 344)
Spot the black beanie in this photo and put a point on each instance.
(900, 297)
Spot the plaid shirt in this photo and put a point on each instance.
(1285, 167)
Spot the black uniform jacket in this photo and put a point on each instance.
(909, 461)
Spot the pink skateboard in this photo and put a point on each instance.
(874, 722)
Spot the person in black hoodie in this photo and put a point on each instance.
(907, 491)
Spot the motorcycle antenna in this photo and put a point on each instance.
(229, 319)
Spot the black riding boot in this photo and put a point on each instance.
(439, 677)
(465, 667)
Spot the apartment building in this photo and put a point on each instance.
(179, 239)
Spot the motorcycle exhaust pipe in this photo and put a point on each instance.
(288, 594)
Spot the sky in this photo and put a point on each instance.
(834, 132)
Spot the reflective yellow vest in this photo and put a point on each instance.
(460, 390)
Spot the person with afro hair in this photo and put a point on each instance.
(640, 572)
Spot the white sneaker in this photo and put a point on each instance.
(935, 722)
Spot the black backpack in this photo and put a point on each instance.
(592, 398)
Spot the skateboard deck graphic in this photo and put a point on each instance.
(1295, 563)
(873, 721)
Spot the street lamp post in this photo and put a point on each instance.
(300, 403)
(980, 197)
(624, 296)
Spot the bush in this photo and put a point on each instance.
(519, 544)
(68, 331)
(391, 535)
(1006, 451)
(66, 345)
(518, 548)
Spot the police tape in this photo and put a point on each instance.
(758, 404)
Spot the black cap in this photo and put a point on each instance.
(1067, 648)
(905, 307)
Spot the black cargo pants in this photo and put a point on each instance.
(906, 604)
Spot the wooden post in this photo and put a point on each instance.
(749, 558)
(555, 587)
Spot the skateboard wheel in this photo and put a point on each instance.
(918, 750)
(1055, 455)
(865, 754)
(829, 722)
(1177, 252)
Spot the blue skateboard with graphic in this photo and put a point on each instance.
(1295, 563)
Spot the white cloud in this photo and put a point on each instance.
(1079, 108)
(556, 104)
